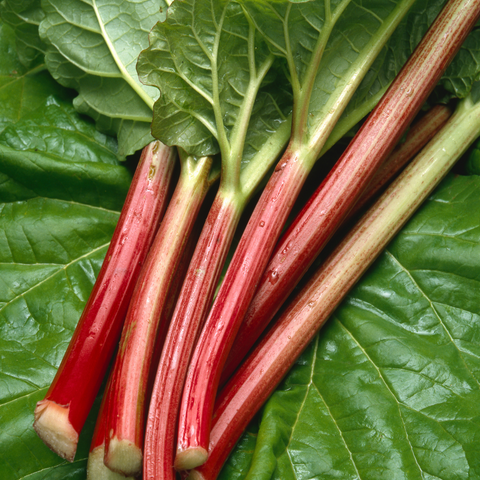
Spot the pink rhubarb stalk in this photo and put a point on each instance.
(262, 308)
(257, 378)
(96, 468)
(192, 305)
(60, 417)
(146, 324)
(339, 192)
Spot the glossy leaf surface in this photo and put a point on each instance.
(22, 89)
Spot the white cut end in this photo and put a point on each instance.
(124, 457)
(195, 475)
(97, 470)
(190, 458)
(54, 428)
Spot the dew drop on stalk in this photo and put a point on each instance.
(262, 223)
(273, 277)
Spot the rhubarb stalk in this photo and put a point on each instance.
(60, 417)
(146, 324)
(339, 193)
(313, 227)
(266, 366)
(262, 309)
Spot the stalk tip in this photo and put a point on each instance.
(190, 458)
(97, 470)
(195, 475)
(55, 430)
(124, 457)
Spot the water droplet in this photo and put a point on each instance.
(409, 92)
(311, 304)
(262, 223)
(273, 277)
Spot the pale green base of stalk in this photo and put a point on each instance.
(190, 458)
(96, 469)
(54, 428)
(124, 457)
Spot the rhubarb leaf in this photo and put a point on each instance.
(24, 17)
(391, 386)
(22, 89)
(335, 36)
(61, 192)
(93, 48)
(209, 64)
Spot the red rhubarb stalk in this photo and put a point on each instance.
(256, 379)
(146, 324)
(60, 417)
(194, 301)
(339, 193)
(262, 308)
(96, 468)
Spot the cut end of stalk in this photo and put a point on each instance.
(97, 470)
(54, 428)
(190, 458)
(195, 475)
(124, 457)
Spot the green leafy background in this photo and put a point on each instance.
(389, 389)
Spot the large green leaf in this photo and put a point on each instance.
(390, 388)
(61, 191)
(93, 48)
(22, 89)
(24, 17)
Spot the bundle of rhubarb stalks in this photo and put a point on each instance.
(252, 95)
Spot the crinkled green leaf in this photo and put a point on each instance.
(299, 33)
(55, 129)
(22, 89)
(462, 72)
(93, 48)
(209, 62)
(391, 386)
(61, 191)
(24, 17)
